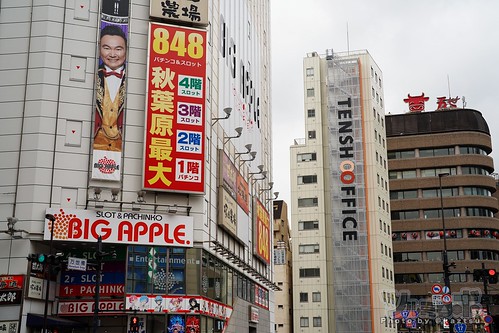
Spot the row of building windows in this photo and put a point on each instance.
(437, 213)
(316, 321)
(430, 278)
(433, 152)
(434, 172)
(316, 297)
(308, 202)
(451, 255)
(435, 192)
(380, 119)
(383, 226)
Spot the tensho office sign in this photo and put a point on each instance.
(120, 227)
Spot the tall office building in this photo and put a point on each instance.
(342, 247)
(135, 147)
(283, 269)
(442, 204)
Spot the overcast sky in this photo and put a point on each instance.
(417, 44)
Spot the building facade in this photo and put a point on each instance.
(342, 252)
(135, 146)
(283, 269)
(442, 200)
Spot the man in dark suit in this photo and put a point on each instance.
(110, 94)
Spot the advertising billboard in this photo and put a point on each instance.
(174, 151)
(110, 91)
(262, 231)
(120, 227)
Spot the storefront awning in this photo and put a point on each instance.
(37, 321)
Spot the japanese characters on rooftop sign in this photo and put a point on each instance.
(175, 106)
(417, 103)
(191, 11)
(130, 228)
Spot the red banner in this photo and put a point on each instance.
(175, 108)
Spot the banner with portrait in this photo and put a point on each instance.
(110, 91)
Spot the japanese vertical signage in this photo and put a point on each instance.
(262, 231)
(175, 107)
(348, 234)
(110, 91)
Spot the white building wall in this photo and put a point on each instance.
(47, 112)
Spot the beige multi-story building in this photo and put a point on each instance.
(283, 269)
(342, 247)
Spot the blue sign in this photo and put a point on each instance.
(405, 314)
(460, 327)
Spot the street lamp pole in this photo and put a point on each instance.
(446, 265)
(46, 270)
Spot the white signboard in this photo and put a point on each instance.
(9, 326)
(436, 299)
(77, 264)
(132, 228)
(35, 287)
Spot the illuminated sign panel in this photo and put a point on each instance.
(130, 228)
(349, 237)
(262, 231)
(175, 106)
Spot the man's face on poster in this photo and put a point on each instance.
(113, 51)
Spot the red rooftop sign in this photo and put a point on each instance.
(417, 103)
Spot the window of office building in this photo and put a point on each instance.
(434, 172)
(310, 92)
(435, 192)
(431, 152)
(484, 255)
(405, 215)
(395, 155)
(303, 297)
(437, 213)
(473, 170)
(310, 272)
(308, 202)
(306, 157)
(308, 179)
(409, 278)
(310, 71)
(311, 135)
(471, 190)
(303, 321)
(467, 150)
(308, 225)
(407, 256)
(403, 174)
(479, 211)
(407, 194)
(317, 322)
(308, 248)
(311, 113)
(316, 296)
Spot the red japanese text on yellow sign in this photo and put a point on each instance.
(262, 232)
(175, 108)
